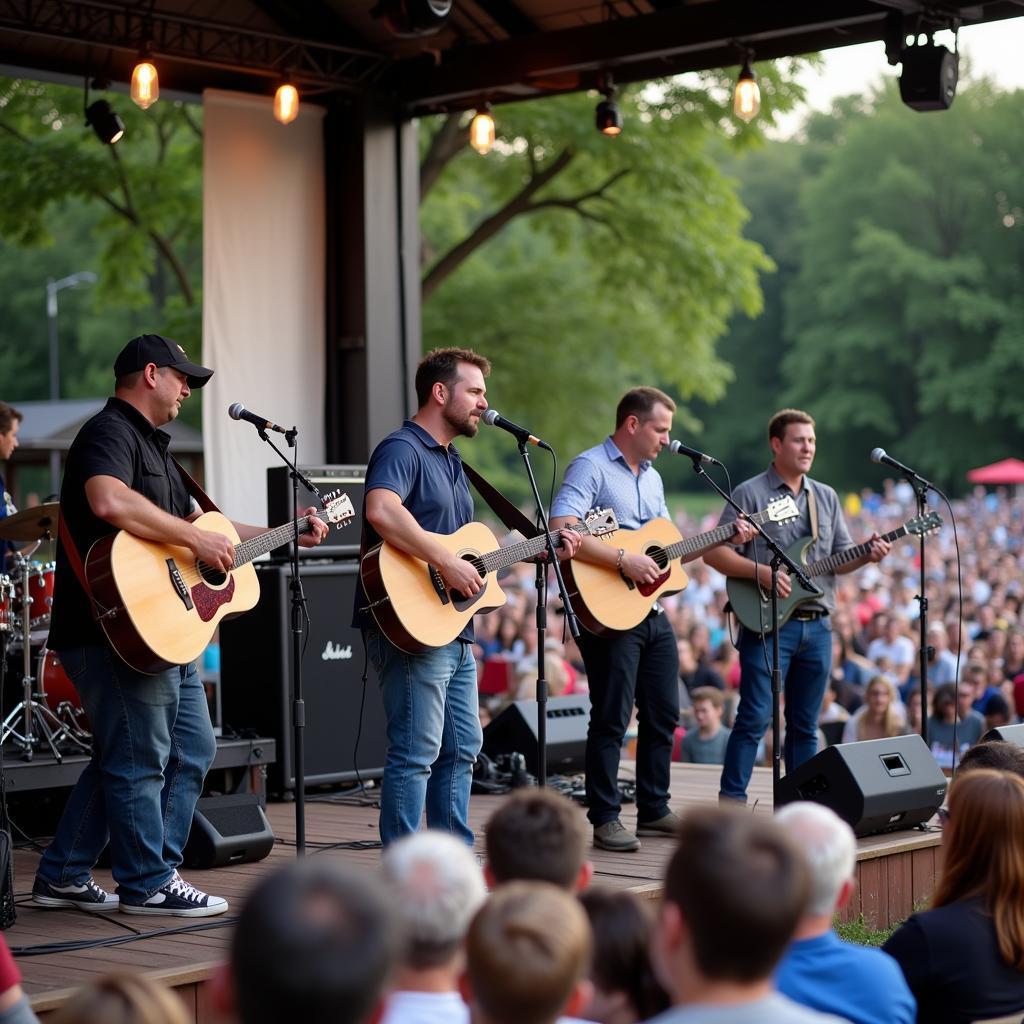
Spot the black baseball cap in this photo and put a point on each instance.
(153, 348)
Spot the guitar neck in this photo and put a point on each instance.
(264, 542)
(681, 548)
(521, 552)
(830, 564)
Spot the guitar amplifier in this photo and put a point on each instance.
(351, 480)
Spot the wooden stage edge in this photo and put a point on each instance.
(896, 874)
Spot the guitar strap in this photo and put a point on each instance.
(812, 511)
(203, 500)
(500, 505)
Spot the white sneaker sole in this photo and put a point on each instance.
(55, 902)
(128, 908)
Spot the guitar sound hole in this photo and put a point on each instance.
(659, 556)
(212, 576)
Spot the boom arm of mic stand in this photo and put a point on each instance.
(770, 543)
(297, 473)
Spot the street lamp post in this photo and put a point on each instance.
(52, 288)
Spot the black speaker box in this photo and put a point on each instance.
(929, 77)
(515, 731)
(256, 678)
(1006, 734)
(874, 785)
(340, 543)
(228, 830)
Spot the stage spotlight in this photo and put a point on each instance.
(410, 18)
(145, 85)
(105, 122)
(929, 76)
(286, 103)
(481, 130)
(747, 99)
(607, 116)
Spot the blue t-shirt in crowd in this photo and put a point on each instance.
(866, 986)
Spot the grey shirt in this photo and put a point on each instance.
(774, 1009)
(753, 495)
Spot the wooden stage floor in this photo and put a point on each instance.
(896, 871)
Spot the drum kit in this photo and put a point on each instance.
(49, 712)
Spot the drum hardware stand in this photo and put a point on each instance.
(39, 723)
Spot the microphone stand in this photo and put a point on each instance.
(921, 487)
(779, 558)
(542, 619)
(298, 615)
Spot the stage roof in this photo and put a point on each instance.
(496, 50)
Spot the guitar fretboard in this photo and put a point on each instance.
(688, 546)
(264, 542)
(526, 549)
(830, 564)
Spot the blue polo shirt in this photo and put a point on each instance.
(429, 480)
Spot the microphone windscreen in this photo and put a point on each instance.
(877, 454)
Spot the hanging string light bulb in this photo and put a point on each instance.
(481, 130)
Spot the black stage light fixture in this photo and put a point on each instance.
(411, 18)
(929, 77)
(105, 122)
(607, 116)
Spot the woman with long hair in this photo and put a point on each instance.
(964, 958)
(880, 716)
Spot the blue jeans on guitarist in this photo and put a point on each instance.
(805, 657)
(434, 735)
(153, 744)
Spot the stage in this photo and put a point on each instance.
(895, 872)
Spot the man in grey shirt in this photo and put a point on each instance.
(805, 641)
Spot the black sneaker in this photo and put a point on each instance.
(178, 899)
(88, 896)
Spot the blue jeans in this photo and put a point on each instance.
(434, 735)
(805, 657)
(152, 747)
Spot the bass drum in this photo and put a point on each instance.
(59, 692)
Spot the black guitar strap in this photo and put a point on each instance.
(500, 505)
(812, 513)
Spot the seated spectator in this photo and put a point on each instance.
(994, 754)
(942, 668)
(625, 988)
(537, 835)
(832, 711)
(706, 744)
(947, 722)
(735, 889)
(964, 958)
(819, 970)
(850, 673)
(14, 1007)
(527, 954)
(894, 645)
(1013, 656)
(437, 887)
(881, 715)
(913, 706)
(997, 712)
(316, 944)
(122, 998)
(694, 674)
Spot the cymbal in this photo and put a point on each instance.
(31, 523)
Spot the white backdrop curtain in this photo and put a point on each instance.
(263, 291)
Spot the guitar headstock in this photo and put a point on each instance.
(337, 510)
(923, 525)
(600, 521)
(782, 510)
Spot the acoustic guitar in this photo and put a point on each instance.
(414, 607)
(159, 605)
(752, 604)
(606, 600)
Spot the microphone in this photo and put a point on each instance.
(493, 418)
(878, 455)
(678, 448)
(239, 412)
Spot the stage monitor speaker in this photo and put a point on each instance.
(351, 480)
(228, 829)
(874, 785)
(515, 731)
(256, 678)
(1006, 734)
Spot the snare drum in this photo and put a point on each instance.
(6, 603)
(40, 591)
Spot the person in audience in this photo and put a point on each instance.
(950, 733)
(994, 754)
(913, 706)
(537, 835)
(850, 673)
(964, 958)
(693, 674)
(14, 1007)
(625, 988)
(315, 944)
(894, 645)
(880, 716)
(706, 744)
(122, 998)
(438, 887)
(819, 970)
(997, 712)
(942, 668)
(527, 953)
(734, 892)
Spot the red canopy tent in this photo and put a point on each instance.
(1007, 471)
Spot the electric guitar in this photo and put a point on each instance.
(159, 605)
(606, 600)
(414, 607)
(752, 604)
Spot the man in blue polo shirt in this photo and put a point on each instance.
(415, 486)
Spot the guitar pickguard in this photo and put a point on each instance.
(461, 602)
(650, 588)
(207, 600)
